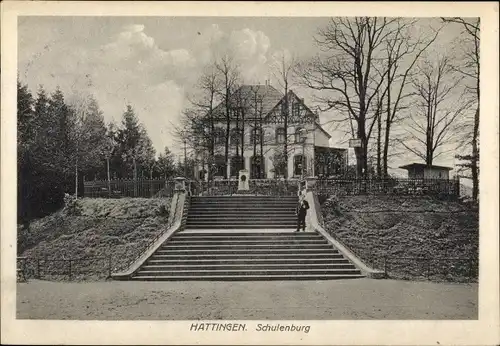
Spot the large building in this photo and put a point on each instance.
(257, 136)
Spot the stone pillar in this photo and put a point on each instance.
(290, 164)
(180, 184)
(310, 183)
(247, 163)
(228, 168)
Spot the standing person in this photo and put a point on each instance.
(301, 215)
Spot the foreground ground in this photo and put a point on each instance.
(339, 299)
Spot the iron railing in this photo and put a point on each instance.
(398, 186)
(143, 188)
(71, 268)
(228, 187)
(153, 240)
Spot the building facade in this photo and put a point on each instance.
(261, 121)
(423, 171)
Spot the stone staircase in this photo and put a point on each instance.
(246, 256)
(245, 238)
(242, 212)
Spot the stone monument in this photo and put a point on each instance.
(243, 180)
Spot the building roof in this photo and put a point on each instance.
(266, 94)
(423, 165)
(323, 130)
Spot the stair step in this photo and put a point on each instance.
(237, 212)
(245, 198)
(268, 277)
(249, 201)
(229, 218)
(241, 261)
(233, 267)
(169, 246)
(187, 242)
(291, 221)
(240, 208)
(236, 227)
(249, 272)
(241, 251)
(255, 256)
(277, 236)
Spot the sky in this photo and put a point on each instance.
(153, 63)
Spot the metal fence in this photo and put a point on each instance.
(450, 269)
(67, 268)
(435, 187)
(228, 187)
(143, 188)
(429, 268)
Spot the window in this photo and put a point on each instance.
(235, 113)
(235, 137)
(280, 135)
(256, 136)
(283, 108)
(258, 168)
(237, 164)
(299, 165)
(296, 110)
(219, 136)
(219, 168)
(300, 132)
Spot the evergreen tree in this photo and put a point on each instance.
(166, 164)
(129, 137)
(25, 135)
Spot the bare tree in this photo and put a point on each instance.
(257, 135)
(402, 54)
(229, 74)
(438, 109)
(350, 72)
(198, 125)
(283, 70)
(470, 43)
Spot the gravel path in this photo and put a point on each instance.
(280, 300)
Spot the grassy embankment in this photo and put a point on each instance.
(93, 229)
(411, 236)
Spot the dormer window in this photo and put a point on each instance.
(296, 110)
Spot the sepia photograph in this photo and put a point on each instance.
(248, 173)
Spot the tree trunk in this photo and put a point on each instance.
(388, 120)
(109, 177)
(226, 149)
(379, 146)
(386, 146)
(475, 156)
(76, 179)
(361, 153)
(285, 123)
(243, 138)
(135, 177)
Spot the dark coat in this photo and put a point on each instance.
(302, 209)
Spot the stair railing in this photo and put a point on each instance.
(152, 241)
